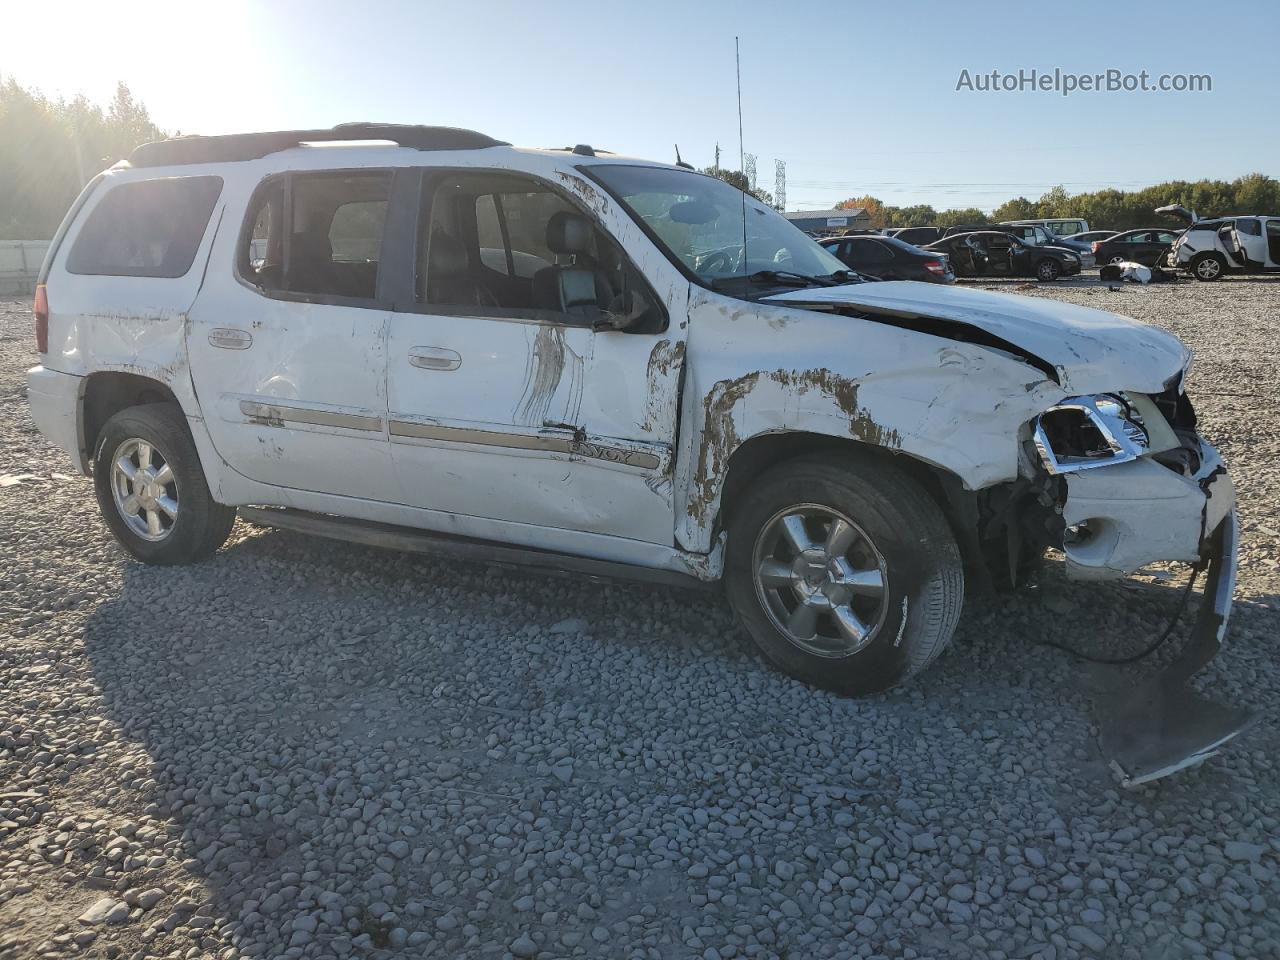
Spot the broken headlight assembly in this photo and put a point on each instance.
(1092, 431)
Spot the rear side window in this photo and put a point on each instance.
(1250, 226)
(316, 236)
(151, 228)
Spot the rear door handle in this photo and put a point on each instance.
(229, 338)
(434, 358)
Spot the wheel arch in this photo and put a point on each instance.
(759, 453)
(106, 393)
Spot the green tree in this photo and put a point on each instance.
(1019, 208)
(966, 216)
(49, 149)
(877, 213)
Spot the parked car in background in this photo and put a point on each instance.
(1209, 249)
(1038, 236)
(1148, 246)
(917, 235)
(1034, 235)
(995, 253)
(888, 258)
(1059, 226)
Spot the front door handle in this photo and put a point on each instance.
(434, 358)
(229, 338)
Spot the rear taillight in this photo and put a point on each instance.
(1095, 245)
(935, 266)
(41, 309)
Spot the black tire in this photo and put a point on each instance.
(921, 563)
(1048, 269)
(1208, 267)
(200, 525)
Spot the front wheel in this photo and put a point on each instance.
(1048, 270)
(151, 489)
(845, 572)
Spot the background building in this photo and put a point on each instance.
(830, 222)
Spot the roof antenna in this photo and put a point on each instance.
(681, 163)
(737, 62)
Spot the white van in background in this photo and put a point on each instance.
(1061, 227)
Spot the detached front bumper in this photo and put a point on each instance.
(1162, 726)
(1120, 518)
(1131, 514)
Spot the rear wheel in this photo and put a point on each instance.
(1208, 266)
(845, 573)
(1048, 270)
(151, 489)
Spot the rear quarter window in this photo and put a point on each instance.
(148, 228)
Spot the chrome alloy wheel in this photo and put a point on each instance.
(821, 580)
(1208, 268)
(144, 489)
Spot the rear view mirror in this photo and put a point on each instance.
(693, 212)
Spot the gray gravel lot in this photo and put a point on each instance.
(309, 749)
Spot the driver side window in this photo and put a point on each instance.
(494, 244)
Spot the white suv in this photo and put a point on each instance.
(1211, 249)
(574, 359)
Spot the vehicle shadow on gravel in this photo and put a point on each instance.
(382, 741)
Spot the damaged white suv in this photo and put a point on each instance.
(423, 336)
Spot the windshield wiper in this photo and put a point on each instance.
(779, 277)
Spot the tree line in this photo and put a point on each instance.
(50, 148)
(1254, 193)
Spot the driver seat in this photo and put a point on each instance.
(582, 289)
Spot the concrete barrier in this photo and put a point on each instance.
(20, 264)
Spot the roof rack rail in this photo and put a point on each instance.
(251, 146)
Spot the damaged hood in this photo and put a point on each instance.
(1091, 351)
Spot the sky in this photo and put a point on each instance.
(855, 97)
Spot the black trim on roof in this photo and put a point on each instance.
(251, 146)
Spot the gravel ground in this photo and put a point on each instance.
(308, 749)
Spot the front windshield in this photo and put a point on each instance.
(699, 219)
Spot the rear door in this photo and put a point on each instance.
(873, 257)
(287, 342)
(1271, 226)
(512, 396)
(1252, 243)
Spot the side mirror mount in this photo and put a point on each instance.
(627, 312)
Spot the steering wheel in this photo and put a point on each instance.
(715, 262)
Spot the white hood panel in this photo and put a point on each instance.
(1092, 350)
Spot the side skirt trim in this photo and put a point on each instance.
(413, 540)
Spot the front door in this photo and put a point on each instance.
(289, 362)
(534, 377)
